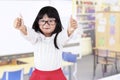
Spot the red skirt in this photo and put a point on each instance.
(47, 75)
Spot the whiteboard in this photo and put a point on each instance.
(11, 41)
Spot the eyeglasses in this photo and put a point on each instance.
(49, 22)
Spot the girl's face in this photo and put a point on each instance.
(47, 25)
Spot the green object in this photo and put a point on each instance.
(101, 41)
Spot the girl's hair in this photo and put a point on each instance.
(51, 12)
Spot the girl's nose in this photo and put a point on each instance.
(46, 25)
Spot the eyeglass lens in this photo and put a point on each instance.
(49, 22)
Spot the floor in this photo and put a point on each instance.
(85, 69)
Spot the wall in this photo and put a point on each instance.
(11, 42)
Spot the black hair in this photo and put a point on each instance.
(51, 12)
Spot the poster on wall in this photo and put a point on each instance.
(111, 41)
(101, 41)
(102, 25)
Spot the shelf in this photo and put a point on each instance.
(79, 14)
(86, 21)
(85, 13)
(89, 29)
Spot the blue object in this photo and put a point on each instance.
(13, 75)
(70, 57)
(30, 71)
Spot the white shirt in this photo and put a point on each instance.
(46, 56)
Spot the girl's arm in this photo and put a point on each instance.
(19, 24)
(27, 33)
(66, 35)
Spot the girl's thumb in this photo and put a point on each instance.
(21, 18)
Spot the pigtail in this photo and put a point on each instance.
(55, 41)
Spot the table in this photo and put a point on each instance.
(30, 63)
(107, 54)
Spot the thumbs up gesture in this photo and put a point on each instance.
(72, 26)
(19, 24)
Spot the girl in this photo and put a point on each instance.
(47, 36)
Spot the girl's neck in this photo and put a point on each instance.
(47, 35)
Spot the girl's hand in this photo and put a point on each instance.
(19, 24)
(72, 26)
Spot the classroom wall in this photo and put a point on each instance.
(11, 42)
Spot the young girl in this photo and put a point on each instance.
(47, 36)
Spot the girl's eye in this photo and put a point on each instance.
(42, 20)
(50, 20)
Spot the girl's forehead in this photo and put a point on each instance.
(46, 17)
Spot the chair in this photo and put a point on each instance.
(70, 57)
(30, 71)
(67, 72)
(13, 75)
(104, 57)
